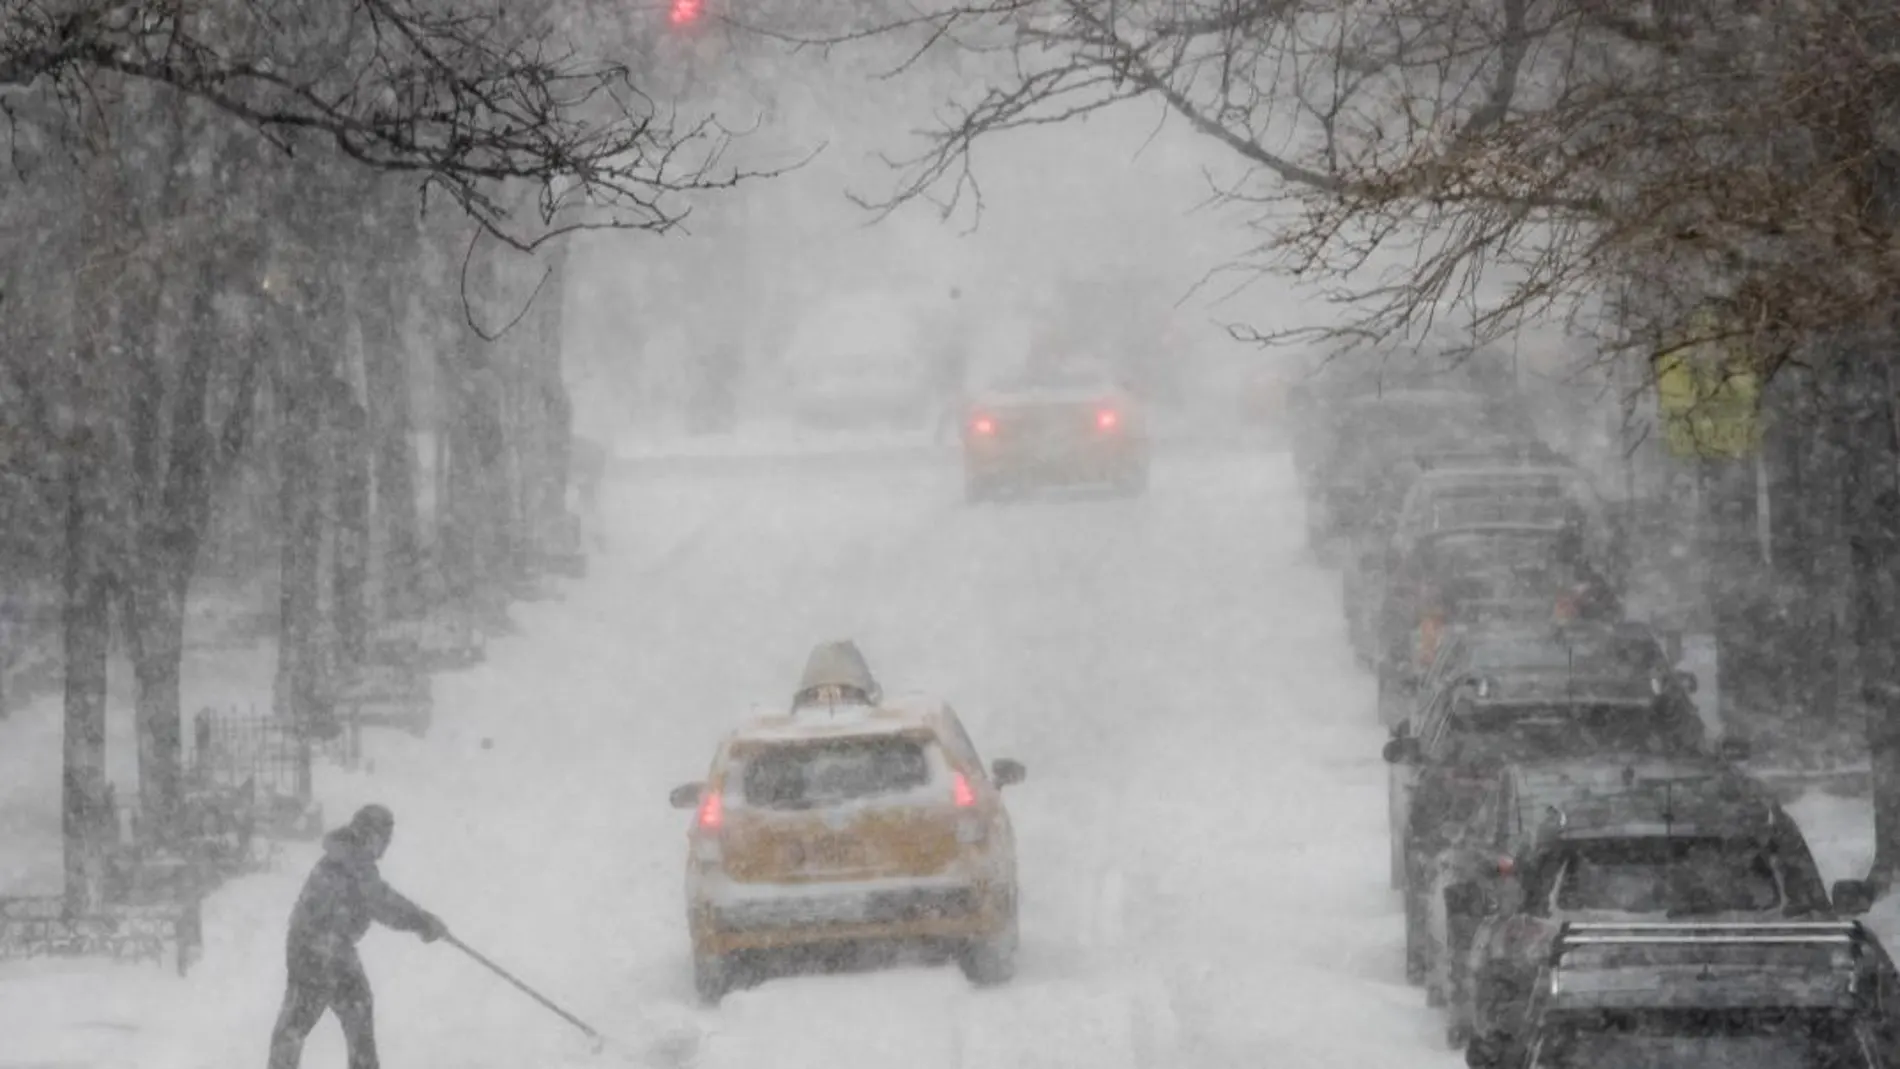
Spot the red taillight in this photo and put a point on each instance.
(1108, 419)
(712, 812)
(983, 425)
(1507, 866)
(1565, 609)
(960, 792)
(686, 11)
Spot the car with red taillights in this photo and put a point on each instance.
(1067, 426)
(1484, 574)
(852, 819)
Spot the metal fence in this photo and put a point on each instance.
(269, 757)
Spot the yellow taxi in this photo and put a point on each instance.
(852, 818)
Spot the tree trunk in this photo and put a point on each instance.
(475, 531)
(155, 629)
(391, 421)
(300, 675)
(1874, 544)
(86, 816)
(351, 457)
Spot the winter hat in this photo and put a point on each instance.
(373, 818)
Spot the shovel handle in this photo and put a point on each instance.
(545, 1002)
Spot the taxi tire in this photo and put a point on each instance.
(991, 961)
(978, 490)
(712, 978)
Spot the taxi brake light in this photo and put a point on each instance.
(983, 425)
(1507, 865)
(1108, 419)
(712, 812)
(960, 792)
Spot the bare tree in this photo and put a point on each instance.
(1734, 164)
(465, 99)
(1511, 159)
(485, 107)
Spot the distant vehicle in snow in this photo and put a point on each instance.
(853, 818)
(1073, 425)
(1570, 652)
(1361, 439)
(1481, 574)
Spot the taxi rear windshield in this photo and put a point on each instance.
(809, 775)
(1682, 877)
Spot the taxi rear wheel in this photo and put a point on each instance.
(712, 977)
(992, 960)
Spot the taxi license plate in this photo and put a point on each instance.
(835, 851)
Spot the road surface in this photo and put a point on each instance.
(1202, 833)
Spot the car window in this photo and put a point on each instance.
(1578, 652)
(962, 745)
(1448, 804)
(1676, 876)
(1539, 731)
(807, 775)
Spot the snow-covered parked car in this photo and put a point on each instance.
(853, 818)
(1621, 840)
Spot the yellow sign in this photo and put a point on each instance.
(1710, 394)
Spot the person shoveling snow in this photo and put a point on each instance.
(342, 897)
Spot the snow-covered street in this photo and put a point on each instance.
(1202, 835)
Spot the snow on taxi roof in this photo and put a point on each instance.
(890, 716)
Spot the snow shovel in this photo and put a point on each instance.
(598, 1042)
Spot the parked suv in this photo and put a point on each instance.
(1619, 841)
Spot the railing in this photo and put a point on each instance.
(42, 927)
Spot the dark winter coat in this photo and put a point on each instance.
(343, 895)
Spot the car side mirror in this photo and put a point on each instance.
(1686, 680)
(1733, 749)
(685, 796)
(1007, 773)
(1853, 897)
(1401, 750)
(1484, 1052)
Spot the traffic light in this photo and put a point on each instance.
(687, 12)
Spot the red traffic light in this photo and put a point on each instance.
(687, 11)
